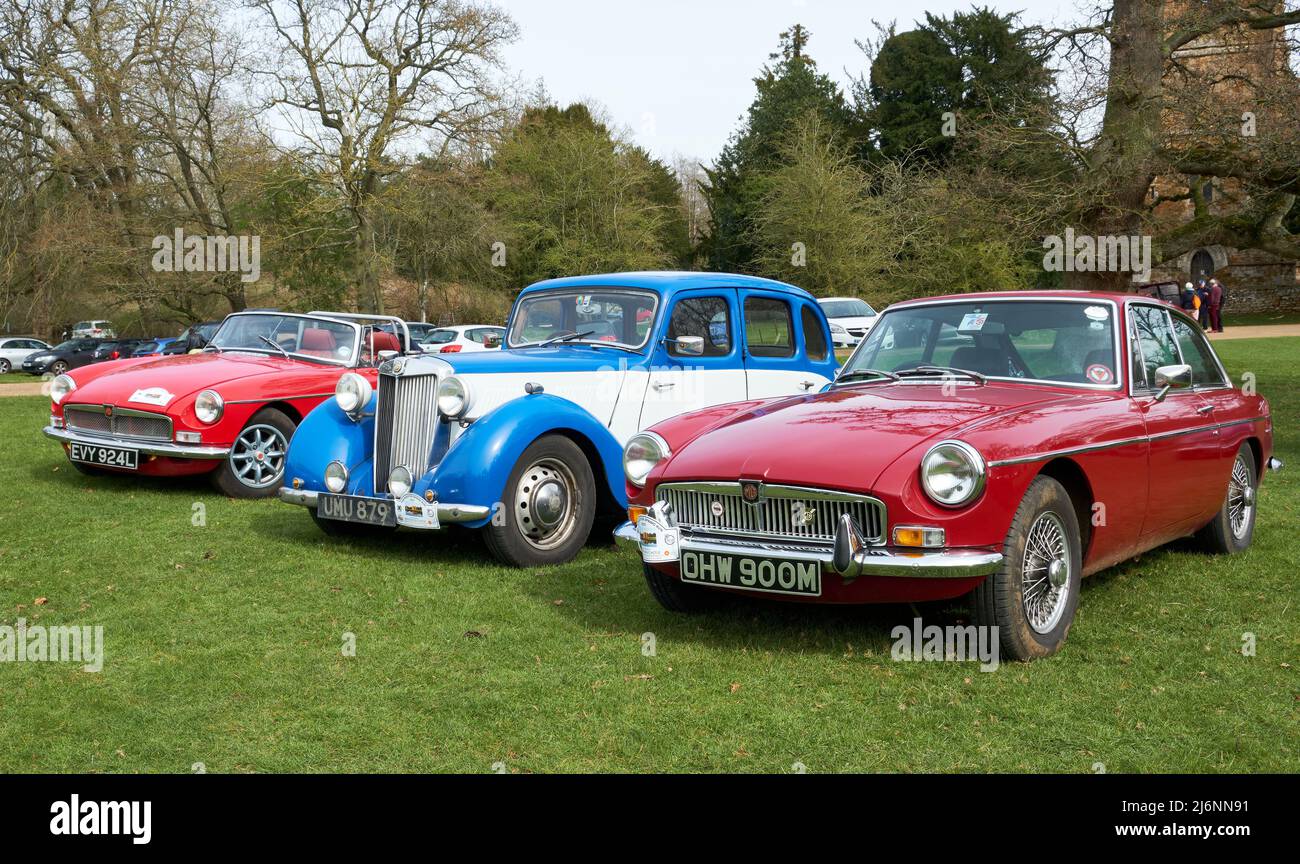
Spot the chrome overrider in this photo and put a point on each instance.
(850, 555)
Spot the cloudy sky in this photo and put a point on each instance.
(677, 74)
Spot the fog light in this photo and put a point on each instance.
(399, 481)
(336, 477)
(914, 535)
(189, 437)
(430, 496)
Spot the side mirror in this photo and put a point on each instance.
(1176, 377)
(692, 346)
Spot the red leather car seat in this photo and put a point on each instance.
(319, 342)
(386, 342)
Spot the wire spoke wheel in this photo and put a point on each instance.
(1045, 573)
(257, 458)
(1241, 498)
(547, 501)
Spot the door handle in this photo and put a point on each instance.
(664, 385)
(1205, 409)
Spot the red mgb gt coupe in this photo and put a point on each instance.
(228, 411)
(999, 445)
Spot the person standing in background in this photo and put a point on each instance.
(1203, 295)
(1216, 305)
(1188, 299)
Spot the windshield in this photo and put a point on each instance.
(610, 315)
(296, 335)
(1070, 342)
(440, 337)
(847, 309)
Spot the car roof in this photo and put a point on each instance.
(669, 281)
(1108, 296)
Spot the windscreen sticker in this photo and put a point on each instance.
(1099, 373)
(152, 396)
(973, 321)
(1097, 313)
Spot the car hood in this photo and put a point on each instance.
(855, 322)
(843, 438)
(183, 374)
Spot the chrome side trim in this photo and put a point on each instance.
(281, 398)
(176, 451)
(1122, 442)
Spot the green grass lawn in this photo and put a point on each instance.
(223, 647)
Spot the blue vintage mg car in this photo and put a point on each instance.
(526, 443)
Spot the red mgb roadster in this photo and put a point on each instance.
(228, 411)
(999, 445)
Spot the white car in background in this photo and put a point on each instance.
(15, 349)
(463, 338)
(98, 329)
(851, 319)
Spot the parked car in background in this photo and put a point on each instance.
(1020, 442)
(228, 411)
(114, 349)
(15, 349)
(418, 330)
(71, 354)
(1169, 292)
(464, 338)
(193, 338)
(851, 319)
(93, 330)
(525, 442)
(152, 347)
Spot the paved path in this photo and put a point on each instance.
(1261, 331)
(26, 388)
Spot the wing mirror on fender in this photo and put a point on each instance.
(1176, 377)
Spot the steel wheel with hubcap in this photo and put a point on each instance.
(4, 366)
(254, 467)
(550, 502)
(1233, 527)
(1032, 599)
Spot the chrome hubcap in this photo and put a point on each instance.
(1241, 499)
(546, 504)
(1045, 573)
(258, 456)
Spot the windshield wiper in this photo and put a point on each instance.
(277, 346)
(567, 337)
(942, 370)
(865, 373)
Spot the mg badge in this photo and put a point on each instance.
(716, 509)
(749, 491)
(803, 514)
(108, 410)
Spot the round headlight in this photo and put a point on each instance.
(952, 473)
(352, 393)
(208, 407)
(643, 452)
(453, 397)
(399, 481)
(336, 477)
(60, 387)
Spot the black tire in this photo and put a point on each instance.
(551, 477)
(675, 596)
(999, 601)
(58, 367)
(235, 478)
(1220, 536)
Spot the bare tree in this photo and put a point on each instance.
(356, 78)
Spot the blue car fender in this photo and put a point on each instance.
(328, 435)
(477, 466)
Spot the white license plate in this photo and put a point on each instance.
(109, 457)
(770, 575)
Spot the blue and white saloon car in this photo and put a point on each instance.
(526, 443)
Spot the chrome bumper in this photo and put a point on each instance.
(153, 448)
(864, 561)
(446, 512)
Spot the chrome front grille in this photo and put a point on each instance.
(123, 422)
(781, 512)
(406, 423)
